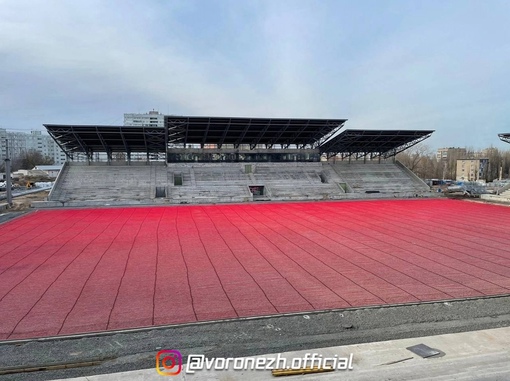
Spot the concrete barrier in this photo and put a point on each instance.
(495, 198)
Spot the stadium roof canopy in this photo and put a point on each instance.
(505, 137)
(253, 131)
(90, 139)
(383, 143)
(184, 130)
(181, 130)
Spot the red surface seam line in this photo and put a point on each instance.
(335, 270)
(58, 276)
(42, 232)
(237, 259)
(93, 270)
(156, 267)
(451, 218)
(462, 237)
(370, 258)
(35, 227)
(432, 260)
(390, 254)
(19, 221)
(40, 264)
(264, 258)
(276, 233)
(449, 256)
(214, 268)
(125, 268)
(185, 264)
(291, 259)
(498, 221)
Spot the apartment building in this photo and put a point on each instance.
(472, 169)
(20, 142)
(151, 119)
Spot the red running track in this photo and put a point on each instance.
(75, 271)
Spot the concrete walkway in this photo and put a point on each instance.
(477, 355)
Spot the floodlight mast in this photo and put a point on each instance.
(8, 183)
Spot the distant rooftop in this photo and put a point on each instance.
(49, 167)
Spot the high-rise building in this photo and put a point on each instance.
(448, 158)
(151, 119)
(445, 154)
(21, 142)
(3, 137)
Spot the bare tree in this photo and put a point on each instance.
(420, 159)
(31, 158)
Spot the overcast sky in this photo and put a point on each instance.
(435, 64)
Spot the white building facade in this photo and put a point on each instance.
(151, 119)
(472, 169)
(21, 142)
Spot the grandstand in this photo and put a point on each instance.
(505, 137)
(217, 160)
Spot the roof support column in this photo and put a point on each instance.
(166, 145)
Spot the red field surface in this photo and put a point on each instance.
(73, 271)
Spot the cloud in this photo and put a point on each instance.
(382, 65)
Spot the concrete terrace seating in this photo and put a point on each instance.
(296, 181)
(209, 194)
(383, 178)
(101, 182)
(302, 191)
(294, 172)
(208, 183)
(503, 196)
(179, 183)
(214, 174)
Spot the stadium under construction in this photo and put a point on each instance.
(216, 160)
(107, 285)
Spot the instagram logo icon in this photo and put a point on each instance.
(169, 362)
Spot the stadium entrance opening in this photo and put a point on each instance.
(256, 190)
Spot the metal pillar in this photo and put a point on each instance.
(8, 182)
(166, 145)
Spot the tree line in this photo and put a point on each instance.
(422, 160)
(27, 160)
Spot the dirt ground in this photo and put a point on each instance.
(23, 202)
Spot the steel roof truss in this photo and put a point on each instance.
(243, 134)
(225, 132)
